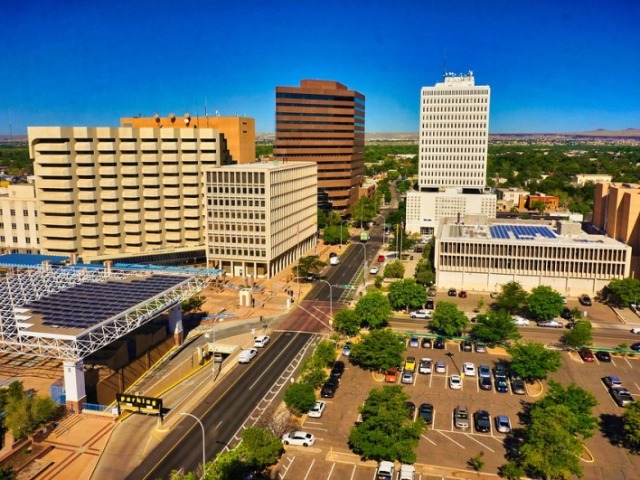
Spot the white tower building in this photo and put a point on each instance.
(454, 132)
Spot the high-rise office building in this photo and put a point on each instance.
(323, 122)
(239, 132)
(454, 132)
(107, 193)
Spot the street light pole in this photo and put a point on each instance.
(204, 458)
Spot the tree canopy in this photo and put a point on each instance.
(336, 234)
(495, 327)
(580, 335)
(544, 303)
(25, 413)
(373, 310)
(347, 322)
(511, 297)
(307, 265)
(299, 397)
(579, 401)
(623, 292)
(378, 350)
(448, 319)
(394, 269)
(405, 294)
(631, 426)
(532, 361)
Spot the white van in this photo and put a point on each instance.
(334, 261)
(261, 341)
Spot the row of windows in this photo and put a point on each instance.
(536, 251)
(431, 118)
(15, 226)
(244, 190)
(261, 240)
(233, 227)
(15, 240)
(313, 96)
(449, 92)
(235, 252)
(25, 213)
(449, 100)
(431, 129)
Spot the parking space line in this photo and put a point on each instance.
(636, 385)
(627, 360)
(449, 438)
(478, 441)
(614, 363)
(333, 465)
(309, 470)
(428, 439)
(353, 472)
(287, 467)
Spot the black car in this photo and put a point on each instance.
(452, 292)
(425, 411)
(439, 343)
(312, 277)
(518, 387)
(585, 300)
(500, 371)
(337, 370)
(603, 356)
(566, 314)
(635, 347)
(482, 421)
(329, 388)
(466, 346)
(484, 383)
(429, 305)
(501, 385)
(426, 343)
(411, 408)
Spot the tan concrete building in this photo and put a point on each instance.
(239, 132)
(18, 219)
(582, 179)
(616, 212)
(260, 217)
(482, 256)
(323, 122)
(121, 192)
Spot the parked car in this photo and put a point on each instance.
(461, 417)
(304, 439)
(374, 270)
(429, 304)
(392, 375)
(346, 350)
(484, 383)
(603, 356)
(481, 347)
(521, 321)
(482, 421)
(518, 387)
(566, 314)
(431, 293)
(441, 367)
(317, 410)
(635, 330)
(500, 371)
(484, 371)
(586, 354)
(381, 258)
(462, 294)
(247, 355)
(469, 369)
(501, 385)
(426, 343)
(425, 366)
(585, 300)
(550, 324)
(385, 471)
(621, 396)
(466, 346)
(407, 377)
(439, 343)
(329, 388)
(261, 341)
(410, 364)
(414, 342)
(407, 472)
(337, 370)
(612, 381)
(420, 314)
(426, 413)
(503, 424)
(635, 347)
(455, 382)
(452, 292)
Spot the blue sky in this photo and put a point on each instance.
(553, 66)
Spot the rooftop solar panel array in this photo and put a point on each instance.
(520, 232)
(87, 304)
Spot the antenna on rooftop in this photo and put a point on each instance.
(444, 62)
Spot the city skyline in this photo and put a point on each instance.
(552, 68)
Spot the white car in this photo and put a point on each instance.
(386, 470)
(425, 365)
(261, 341)
(521, 321)
(420, 314)
(469, 369)
(441, 367)
(317, 410)
(635, 330)
(374, 270)
(455, 382)
(304, 439)
(247, 355)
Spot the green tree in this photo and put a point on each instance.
(394, 270)
(448, 319)
(539, 206)
(623, 292)
(308, 265)
(545, 303)
(580, 335)
(322, 219)
(347, 322)
(26, 413)
(532, 361)
(364, 211)
(226, 466)
(511, 471)
(631, 427)
(379, 350)
(476, 462)
(373, 310)
(406, 294)
(325, 352)
(579, 401)
(334, 218)
(511, 297)
(299, 398)
(387, 432)
(312, 372)
(495, 327)
(332, 235)
(193, 304)
(259, 448)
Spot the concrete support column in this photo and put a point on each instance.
(175, 324)
(74, 384)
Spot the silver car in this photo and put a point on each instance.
(503, 424)
(550, 323)
(461, 417)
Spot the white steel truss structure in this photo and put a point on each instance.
(17, 291)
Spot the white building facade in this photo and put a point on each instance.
(18, 219)
(261, 217)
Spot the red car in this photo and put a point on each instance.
(462, 294)
(586, 355)
(381, 258)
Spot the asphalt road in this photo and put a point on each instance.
(223, 411)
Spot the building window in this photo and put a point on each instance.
(13, 213)
(25, 213)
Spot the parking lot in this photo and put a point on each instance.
(442, 444)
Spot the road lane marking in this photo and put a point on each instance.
(428, 439)
(218, 424)
(266, 369)
(449, 438)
